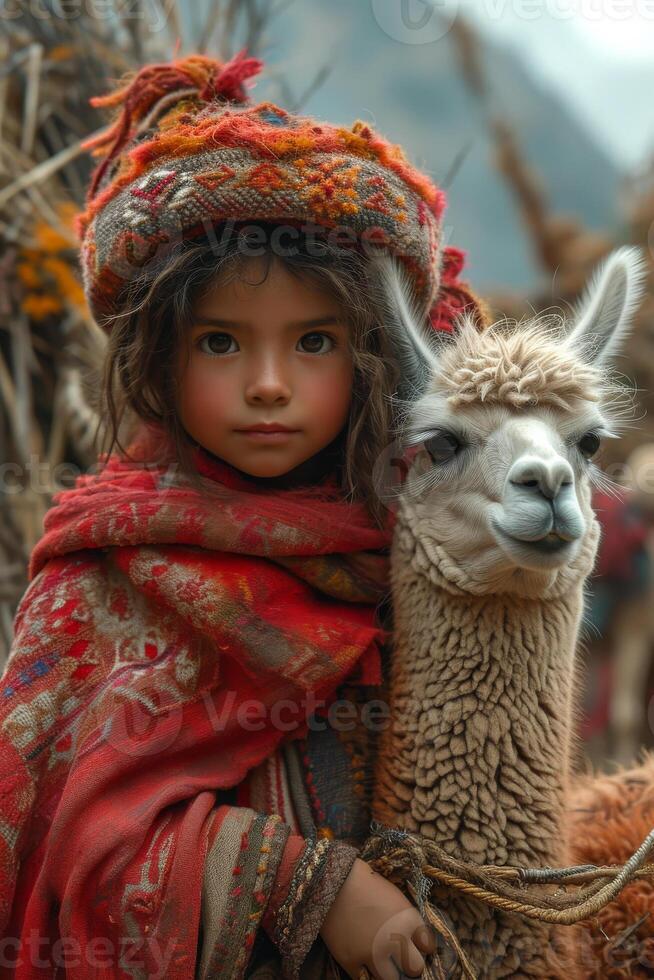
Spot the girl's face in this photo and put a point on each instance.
(274, 352)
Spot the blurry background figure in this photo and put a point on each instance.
(620, 614)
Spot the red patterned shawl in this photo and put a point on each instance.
(153, 612)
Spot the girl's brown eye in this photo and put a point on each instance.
(220, 339)
(312, 337)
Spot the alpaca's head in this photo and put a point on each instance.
(508, 420)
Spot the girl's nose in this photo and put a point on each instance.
(268, 383)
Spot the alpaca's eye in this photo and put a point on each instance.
(589, 444)
(442, 447)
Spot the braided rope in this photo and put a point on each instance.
(414, 863)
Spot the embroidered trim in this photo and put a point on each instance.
(320, 873)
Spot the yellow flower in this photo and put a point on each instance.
(28, 275)
(61, 52)
(38, 307)
(50, 279)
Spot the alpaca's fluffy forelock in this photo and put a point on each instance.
(531, 365)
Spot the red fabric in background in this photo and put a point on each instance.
(624, 531)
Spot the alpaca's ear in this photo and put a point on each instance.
(604, 315)
(403, 320)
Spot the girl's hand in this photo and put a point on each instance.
(372, 924)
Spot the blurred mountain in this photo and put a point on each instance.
(415, 95)
(594, 63)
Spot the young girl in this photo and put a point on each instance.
(186, 733)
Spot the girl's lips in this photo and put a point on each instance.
(258, 434)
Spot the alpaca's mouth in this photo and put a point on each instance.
(550, 544)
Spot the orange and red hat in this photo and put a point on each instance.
(189, 150)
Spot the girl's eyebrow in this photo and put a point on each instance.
(321, 321)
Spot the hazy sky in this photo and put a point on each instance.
(596, 54)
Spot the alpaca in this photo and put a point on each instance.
(494, 539)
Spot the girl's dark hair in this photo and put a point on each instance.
(138, 381)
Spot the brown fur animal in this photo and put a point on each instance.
(494, 541)
(609, 817)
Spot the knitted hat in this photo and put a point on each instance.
(188, 150)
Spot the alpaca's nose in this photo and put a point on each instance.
(545, 476)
